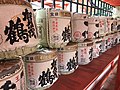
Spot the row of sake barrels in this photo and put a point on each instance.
(52, 63)
(88, 50)
(85, 27)
(39, 70)
(18, 36)
(43, 67)
(18, 28)
(76, 27)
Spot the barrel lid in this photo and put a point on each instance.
(9, 67)
(71, 46)
(59, 13)
(80, 16)
(15, 2)
(93, 19)
(41, 55)
(40, 13)
(86, 42)
(98, 40)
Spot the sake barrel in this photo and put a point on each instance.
(17, 28)
(68, 58)
(118, 37)
(54, 27)
(103, 29)
(118, 24)
(93, 27)
(115, 25)
(41, 69)
(112, 24)
(12, 75)
(85, 52)
(98, 48)
(103, 43)
(41, 23)
(115, 38)
(79, 27)
(109, 41)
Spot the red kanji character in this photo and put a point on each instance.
(56, 29)
(32, 73)
(17, 78)
(56, 23)
(85, 51)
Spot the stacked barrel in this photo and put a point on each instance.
(56, 53)
(34, 54)
(18, 37)
(94, 35)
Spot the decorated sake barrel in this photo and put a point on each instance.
(41, 69)
(118, 24)
(104, 43)
(115, 25)
(112, 24)
(103, 30)
(68, 58)
(118, 36)
(115, 39)
(93, 27)
(109, 41)
(41, 23)
(97, 47)
(109, 22)
(85, 52)
(54, 27)
(79, 27)
(12, 76)
(17, 28)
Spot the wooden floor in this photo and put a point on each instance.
(110, 82)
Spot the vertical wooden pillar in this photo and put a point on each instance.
(117, 84)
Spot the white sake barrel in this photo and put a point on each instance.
(118, 24)
(68, 58)
(115, 38)
(41, 23)
(112, 24)
(103, 43)
(85, 52)
(93, 27)
(17, 28)
(54, 27)
(79, 27)
(118, 36)
(12, 75)
(109, 41)
(98, 48)
(103, 30)
(41, 69)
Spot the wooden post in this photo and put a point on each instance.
(117, 84)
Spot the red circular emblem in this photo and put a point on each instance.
(77, 35)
